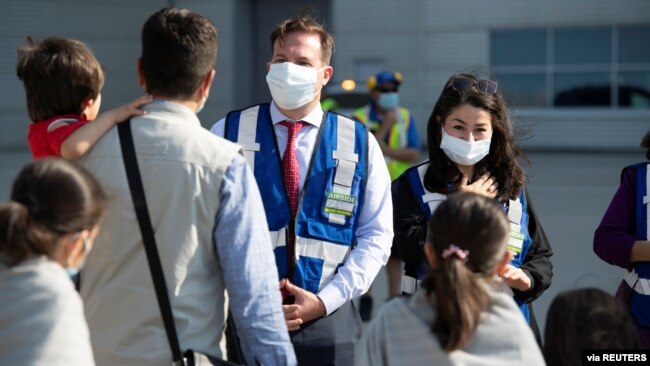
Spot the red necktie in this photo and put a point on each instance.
(291, 178)
(290, 165)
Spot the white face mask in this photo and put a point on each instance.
(464, 152)
(388, 100)
(74, 271)
(292, 86)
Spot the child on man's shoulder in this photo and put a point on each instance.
(63, 82)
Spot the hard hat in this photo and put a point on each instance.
(384, 77)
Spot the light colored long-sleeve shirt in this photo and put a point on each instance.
(374, 233)
(249, 269)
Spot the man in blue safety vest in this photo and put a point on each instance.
(326, 193)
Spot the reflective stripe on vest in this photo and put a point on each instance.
(247, 134)
(339, 163)
(432, 200)
(332, 255)
(640, 285)
(410, 284)
(346, 162)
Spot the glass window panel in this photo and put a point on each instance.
(523, 90)
(634, 89)
(634, 44)
(582, 89)
(583, 46)
(520, 47)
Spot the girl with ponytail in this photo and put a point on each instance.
(456, 317)
(46, 230)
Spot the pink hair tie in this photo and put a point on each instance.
(455, 250)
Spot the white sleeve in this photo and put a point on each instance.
(374, 236)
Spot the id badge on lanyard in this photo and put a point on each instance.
(516, 241)
(339, 203)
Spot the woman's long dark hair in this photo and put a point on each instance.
(50, 198)
(443, 175)
(456, 288)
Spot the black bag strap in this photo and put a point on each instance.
(144, 221)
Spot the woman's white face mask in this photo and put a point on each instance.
(292, 86)
(464, 152)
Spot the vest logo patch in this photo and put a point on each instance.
(339, 203)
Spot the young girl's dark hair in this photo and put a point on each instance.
(58, 75)
(456, 286)
(50, 198)
(443, 175)
(587, 318)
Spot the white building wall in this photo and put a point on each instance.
(426, 40)
(222, 14)
(430, 40)
(109, 30)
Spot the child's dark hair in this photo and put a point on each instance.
(587, 318)
(50, 198)
(456, 286)
(179, 48)
(58, 75)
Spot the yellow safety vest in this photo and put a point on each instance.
(397, 136)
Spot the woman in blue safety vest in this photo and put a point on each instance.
(623, 239)
(471, 148)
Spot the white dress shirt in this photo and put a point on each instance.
(374, 232)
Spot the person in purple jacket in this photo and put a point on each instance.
(622, 237)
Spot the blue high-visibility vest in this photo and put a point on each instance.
(518, 218)
(331, 199)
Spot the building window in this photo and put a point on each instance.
(602, 67)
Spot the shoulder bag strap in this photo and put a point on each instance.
(144, 221)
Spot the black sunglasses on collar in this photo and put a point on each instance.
(461, 83)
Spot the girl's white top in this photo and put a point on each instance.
(41, 316)
(401, 335)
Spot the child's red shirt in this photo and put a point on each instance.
(46, 137)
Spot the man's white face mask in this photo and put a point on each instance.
(464, 152)
(292, 86)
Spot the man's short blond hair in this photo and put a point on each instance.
(305, 24)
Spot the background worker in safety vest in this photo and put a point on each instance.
(393, 125)
(395, 130)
